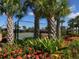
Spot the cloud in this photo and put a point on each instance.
(30, 13)
(73, 15)
(72, 8)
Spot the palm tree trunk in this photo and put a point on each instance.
(78, 29)
(61, 28)
(10, 30)
(36, 28)
(17, 30)
(51, 28)
(58, 28)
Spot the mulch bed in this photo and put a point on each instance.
(71, 37)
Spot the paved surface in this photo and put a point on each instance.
(24, 35)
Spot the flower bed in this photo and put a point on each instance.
(38, 49)
(29, 53)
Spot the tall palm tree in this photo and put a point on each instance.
(35, 6)
(61, 26)
(49, 9)
(53, 9)
(63, 11)
(19, 15)
(10, 7)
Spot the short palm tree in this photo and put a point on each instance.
(10, 8)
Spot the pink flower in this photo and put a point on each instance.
(37, 57)
(28, 56)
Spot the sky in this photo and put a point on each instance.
(73, 5)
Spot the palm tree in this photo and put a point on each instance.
(77, 24)
(63, 11)
(10, 7)
(47, 9)
(35, 6)
(61, 26)
(71, 25)
(24, 28)
(74, 25)
(19, 15)
(52, 10)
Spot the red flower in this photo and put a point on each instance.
(47, 55)
(5, 55)
(20, 50)
(11, 57)
(16, 51)
(48, 58)
(18, 57)
(30, 49)
(13, 52)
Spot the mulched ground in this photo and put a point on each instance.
(71, 37)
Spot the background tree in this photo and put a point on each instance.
(71, 25)
(18, 15)
(24, 28)
(74, 25)
(61, 27)
(77, 24)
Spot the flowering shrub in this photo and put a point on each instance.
(36, 49)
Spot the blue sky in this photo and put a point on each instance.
(73, 5)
